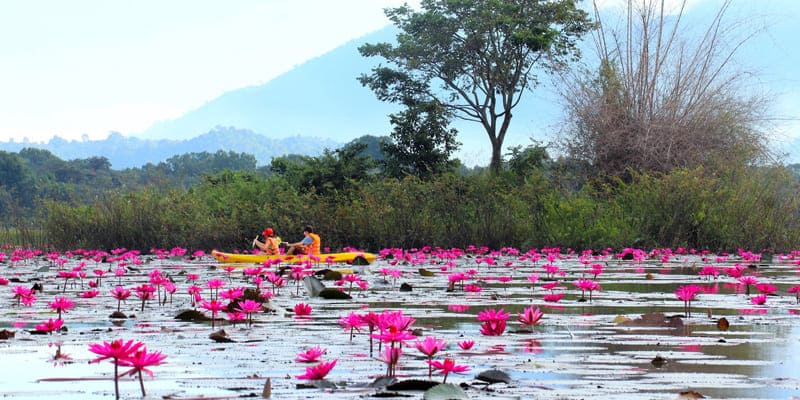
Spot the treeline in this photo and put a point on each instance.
(33, 176)
(533, 202)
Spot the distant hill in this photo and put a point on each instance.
(322, 98)
(319, 98)
(129, 152)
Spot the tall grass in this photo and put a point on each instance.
(746, 207)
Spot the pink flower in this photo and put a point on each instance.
(352, 322)
(553, 297)
(490, 314)
(90, 293)
(766, 288)
(311, 355)
(50, 325)
(466, 344)
(140, 360)
(430, 345)
(116, 350)
(447, 366)
(687, 294)
(61, 304)
(759, 299)
(530, 316)
(302, 310)
(318, 371)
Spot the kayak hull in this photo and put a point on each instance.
(344, 257)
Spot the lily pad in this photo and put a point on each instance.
(444, 391)
(412, 384)
(334, 294)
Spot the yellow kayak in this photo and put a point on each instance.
(346, 257)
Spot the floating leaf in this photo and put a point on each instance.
(191, 315)
(334, 294)
(425, 272)
(492, 376)
(412, 384)
(658, 361)
(444, 391)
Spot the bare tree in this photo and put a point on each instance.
(663, 98)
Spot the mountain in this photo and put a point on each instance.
(322, 98)
(129, 152)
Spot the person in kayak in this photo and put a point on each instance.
(271, 243)
(311, 243)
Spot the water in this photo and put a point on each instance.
(579, 349)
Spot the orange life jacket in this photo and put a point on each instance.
(316, 245)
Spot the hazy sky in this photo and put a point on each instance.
(75, 67)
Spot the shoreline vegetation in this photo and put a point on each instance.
(755, 208)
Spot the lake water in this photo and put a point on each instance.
(579, 349)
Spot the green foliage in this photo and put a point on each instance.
(421, 144)
(334, 171)
(476, 57)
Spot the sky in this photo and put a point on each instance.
(88, 67)
(83, 68)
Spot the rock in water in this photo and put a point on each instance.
(658, 361)
(220, 336)
(405, 287)
(313, 286)
(491, 376)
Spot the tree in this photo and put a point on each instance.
(420, 143)
(662, 97)
(333, 171)
(476, 57)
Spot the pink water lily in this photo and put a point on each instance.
(115, 351)
(249, 307)
(139, 361)
(687, 294)
(311, 355)
(302, 310)
(61, 304)
(318, 371)
(530, 317)
(447, 366)
(50, 325)
(430, 346)
(466, 344)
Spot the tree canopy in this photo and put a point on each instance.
(476, 57)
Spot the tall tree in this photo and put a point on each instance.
(421, 144)
(664, 95)
(477, 57)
